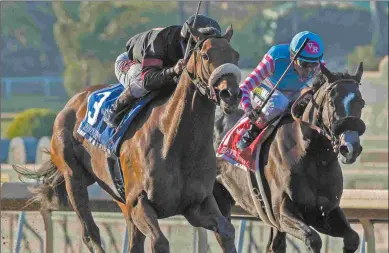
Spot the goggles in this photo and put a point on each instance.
(307, 65)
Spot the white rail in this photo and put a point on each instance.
(364, 206)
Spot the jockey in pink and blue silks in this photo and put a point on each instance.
(263, 78)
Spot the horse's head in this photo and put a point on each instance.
(212, 68)
(336, 108)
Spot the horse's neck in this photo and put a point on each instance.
(298, 139)
(187, 112)
(311, 117)
(294, 140)
(311, 112)
(198, 109)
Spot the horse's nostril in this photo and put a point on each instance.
(225, 94)
(344, 150)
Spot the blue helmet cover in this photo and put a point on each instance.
(313, 50)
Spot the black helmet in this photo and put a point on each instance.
(201, 22)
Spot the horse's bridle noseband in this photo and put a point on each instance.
(320, 127)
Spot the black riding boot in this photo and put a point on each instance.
(248, 137)
(114, 115)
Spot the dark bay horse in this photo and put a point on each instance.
(167, 154)
(301, 174)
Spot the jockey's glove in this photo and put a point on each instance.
(179, 67)
(253, 115)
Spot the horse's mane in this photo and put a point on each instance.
(320, 79)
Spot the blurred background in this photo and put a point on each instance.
(51, 50)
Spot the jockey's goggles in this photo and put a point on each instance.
(307, 65)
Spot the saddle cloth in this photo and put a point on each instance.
(245, 159)
(94, 128)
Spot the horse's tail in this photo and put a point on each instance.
(51, 193)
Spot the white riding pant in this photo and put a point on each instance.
(276, 105)
(129, 74)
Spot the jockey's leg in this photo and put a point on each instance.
(145, 219)
(250, 135)
(128, 72)
(275, 106)
(208, 216)
(114, 115)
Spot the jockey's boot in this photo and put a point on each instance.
(248, 137)
(114, 115)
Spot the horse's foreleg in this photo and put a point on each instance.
(277, 243)
(135, 236)
(225, 202)
(137, 240)
(145, 219)
(336, 224)
(291, 222)
(208, 215)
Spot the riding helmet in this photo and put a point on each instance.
(313, 50)
(202, 21)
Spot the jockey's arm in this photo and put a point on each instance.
(264, 69)
(154, 75)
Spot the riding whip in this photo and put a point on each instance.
(191, 37)
(275, 86)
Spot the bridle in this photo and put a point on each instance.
(319, 97)
(202, 86)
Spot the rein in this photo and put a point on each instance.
(308, 95)
(303, 96)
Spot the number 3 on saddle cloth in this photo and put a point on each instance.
(94, 129)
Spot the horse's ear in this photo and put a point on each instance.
(228, 34)
(195, 33)
(327, 74)
(359, 72)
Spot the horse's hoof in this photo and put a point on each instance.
(351, 242)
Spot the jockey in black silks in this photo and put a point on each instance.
(153, 61)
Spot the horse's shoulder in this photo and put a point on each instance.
(281, 129)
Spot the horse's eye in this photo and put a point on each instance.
(205, 57)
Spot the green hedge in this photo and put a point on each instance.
(365, 54)
(35, 122)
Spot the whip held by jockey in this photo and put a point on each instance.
(274, 72)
